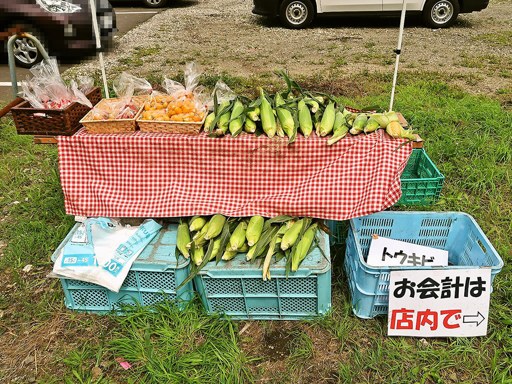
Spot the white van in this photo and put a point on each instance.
(300, 13)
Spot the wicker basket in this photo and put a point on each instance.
(52, 122)
(171, 126)
(113, 126)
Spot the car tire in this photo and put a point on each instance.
(154, 3)
(25, 52)
(440, 13)
(296, 14)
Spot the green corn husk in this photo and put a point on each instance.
(303, 247)
(291, 235)
(223, 121)
(216, 248)
(285, 118)
(313, 104)
(182, 239)
(237, 238)
(249, 126)
(359, 123)
(196, 223)
(236, 117)
(198, 255)
(254, 114)
(338, 134)
(339, 120)
(215, 226)
(371, 125)
(305, 121)
(208, 127)
(279, 129)
(381, 119)
(392, 116)
(254, 229)
(327, 122)
(268, 120)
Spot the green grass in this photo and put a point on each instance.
(469, 139)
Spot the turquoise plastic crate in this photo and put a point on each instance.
(456, 232)
(153, 277)
(236, 288)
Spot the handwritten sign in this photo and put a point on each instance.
(440, 303)
(389, 252)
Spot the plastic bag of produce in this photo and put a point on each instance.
(127, 85)
(224, 94)
(47, 90)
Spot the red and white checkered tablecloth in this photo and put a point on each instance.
(162, 175)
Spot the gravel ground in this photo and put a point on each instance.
(224, 37)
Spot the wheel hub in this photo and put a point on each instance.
(296, 13)
(442, 11)
(25, 51)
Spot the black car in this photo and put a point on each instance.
(64, 27)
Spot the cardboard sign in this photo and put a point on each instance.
(439, 303)
(389, 252)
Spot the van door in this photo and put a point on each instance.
(396, 5)
(351, 5)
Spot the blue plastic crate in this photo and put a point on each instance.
(153, 277)
(456, 232)
(236, 288)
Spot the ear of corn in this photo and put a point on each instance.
(339, 120)
(305, 122)
(208, 126)
(371, 125)
(313, 104)
(196, 223)
(381, 119)
(198, 255)
(392, 116)
(216, 248)
(254, 229)
(268, 120)
(237, 239)
(215, 226)
(285, 117)
(182, 239)
(228, 253)
(395, 130)
(291, 235)
(249, 126)
(359, 123)
(244, 248)
(254, 114)
(303, 247)
(236, 118)
(327, 122)
(338, 134)
(224, 116)
(279, 129)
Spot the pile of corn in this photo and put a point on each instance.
(221, 238)
(293, 111)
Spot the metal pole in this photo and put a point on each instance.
(398, 51)
(98, 46)
(11, 61)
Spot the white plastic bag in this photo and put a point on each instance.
(102, 251)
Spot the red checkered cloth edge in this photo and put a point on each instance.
(162, 175)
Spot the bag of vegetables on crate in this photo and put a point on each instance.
(182, 109)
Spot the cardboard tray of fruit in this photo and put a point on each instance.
(114, 115)
(171, 114)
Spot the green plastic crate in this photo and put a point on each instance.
(236, 288)
(421, 180)
(153, 277)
